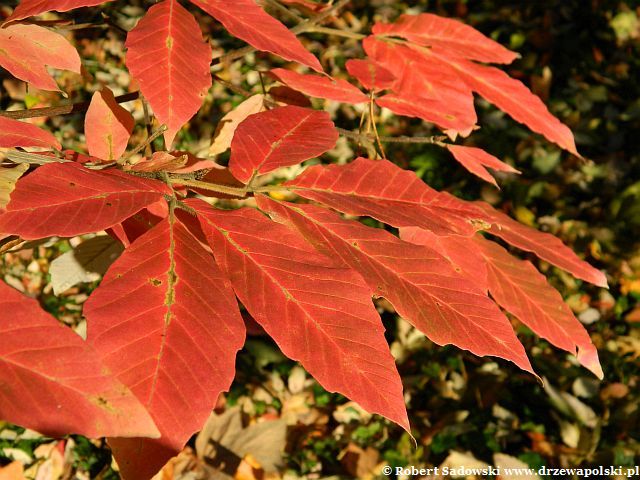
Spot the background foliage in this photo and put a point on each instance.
(582, 59)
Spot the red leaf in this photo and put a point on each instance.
(448, 36)
(384, 191)
(53, 382)
(139, 224)
(26, 50)
(167, 324)
(278, 138)
(246, 20)
(30, 8)
(317, 312)
(307, 4)
(544, 245)
(14, 133)
(421, 284)
(169, 59)
(320, 86)
(475, 160)
(436, 75)
(429, 110)
(79, 200)
(288, 96)
(370, 75)
(425, 87)
(107, 126)
(513, 97)
(228, 124)
(523, 291)
(461, 252)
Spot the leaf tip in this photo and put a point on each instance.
(588, 358)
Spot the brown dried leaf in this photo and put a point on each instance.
(221, 141)
(8, 179)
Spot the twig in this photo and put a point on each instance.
(273, 188)
(372, 119)
(321, 17)
(143, 145)
(336, 32)
(284, 10)
(232, 87)
(436, 139)
(64, 24)
(147, 123)
(62, 109)
(212, 187)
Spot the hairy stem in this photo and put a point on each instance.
(143, 145)
(212, 187)
(435, 139)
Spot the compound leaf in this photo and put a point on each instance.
(424, 88)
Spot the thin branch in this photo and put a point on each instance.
(143, 145)
(62, 109)
(148, 126)
(232, 87)
(186, 208)
(64, 24)
(436, 139)
(321, 17)
(372, 119)
(274, 188)
(336, 32)
(212, 187)
(284, 10)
